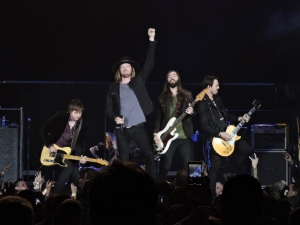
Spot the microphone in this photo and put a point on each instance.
(121, 125)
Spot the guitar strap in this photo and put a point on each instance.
(75, 136)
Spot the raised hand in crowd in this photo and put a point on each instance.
(288, 158)
(74, 191)
(254, 161)
(254, 165)
(5, 169)
(48, 188)
(7, 188)
(38, 180)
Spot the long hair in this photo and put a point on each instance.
(167, 94)
(118, 76)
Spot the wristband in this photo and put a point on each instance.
(44, 191)
(220, 134)
(73, 194)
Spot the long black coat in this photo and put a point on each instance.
(209, 116)
(137, 84)
(54, 128)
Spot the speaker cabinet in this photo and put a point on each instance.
(269, 136)
(10, 153)
(272, 167)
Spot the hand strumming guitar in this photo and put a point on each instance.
(52, 149)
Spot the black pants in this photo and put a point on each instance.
(71, 174)
(184, 148)
(245, 151)
(139, 135)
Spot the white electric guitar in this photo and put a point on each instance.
(167, 135)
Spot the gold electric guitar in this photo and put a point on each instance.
(167, 135)
(226, 148)
(58, 158)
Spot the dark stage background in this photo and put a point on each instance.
(54, 51)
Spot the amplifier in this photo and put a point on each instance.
(269, 136)
(272, 167)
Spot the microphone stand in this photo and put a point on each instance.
(105, 152)
(28, 147)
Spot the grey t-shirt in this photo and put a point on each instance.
(130, 107)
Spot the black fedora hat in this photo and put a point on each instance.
(125, 59)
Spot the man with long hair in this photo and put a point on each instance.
(213, 118)
(128, 103)
(61, 130)
(173, 101)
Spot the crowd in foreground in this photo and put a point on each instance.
(124, 193)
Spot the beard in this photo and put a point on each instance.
(126, 74)
(172, 85)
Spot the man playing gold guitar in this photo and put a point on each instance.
(62, 130)
(213, 118)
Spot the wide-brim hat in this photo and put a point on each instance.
(125, 59)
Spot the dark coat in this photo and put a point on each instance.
(137, 84)
(209, 116)
(163, 113)
(54, 128)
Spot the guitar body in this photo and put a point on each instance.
(59, 157)
(54, 158)
(225, 148)
(166, 142)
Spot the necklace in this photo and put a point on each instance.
(125, 88)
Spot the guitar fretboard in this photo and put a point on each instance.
(74, 157)
(176, 122)
(239, 126)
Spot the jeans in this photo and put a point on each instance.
(69, 173)
(184, 148)
(139, 135)
(245, 151)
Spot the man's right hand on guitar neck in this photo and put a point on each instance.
(225, 136)
(52, 149)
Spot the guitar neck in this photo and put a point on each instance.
(74, 157)
(239, 126)
(177, 121)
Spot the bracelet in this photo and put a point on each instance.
(73, 194)
(220, 134)
(254, 168)
(44, 191)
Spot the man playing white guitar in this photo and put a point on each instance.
(173, 101)
(213, 118)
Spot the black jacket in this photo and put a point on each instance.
(163, 113)
(137, 84)
(209, 116)
(54, 128)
